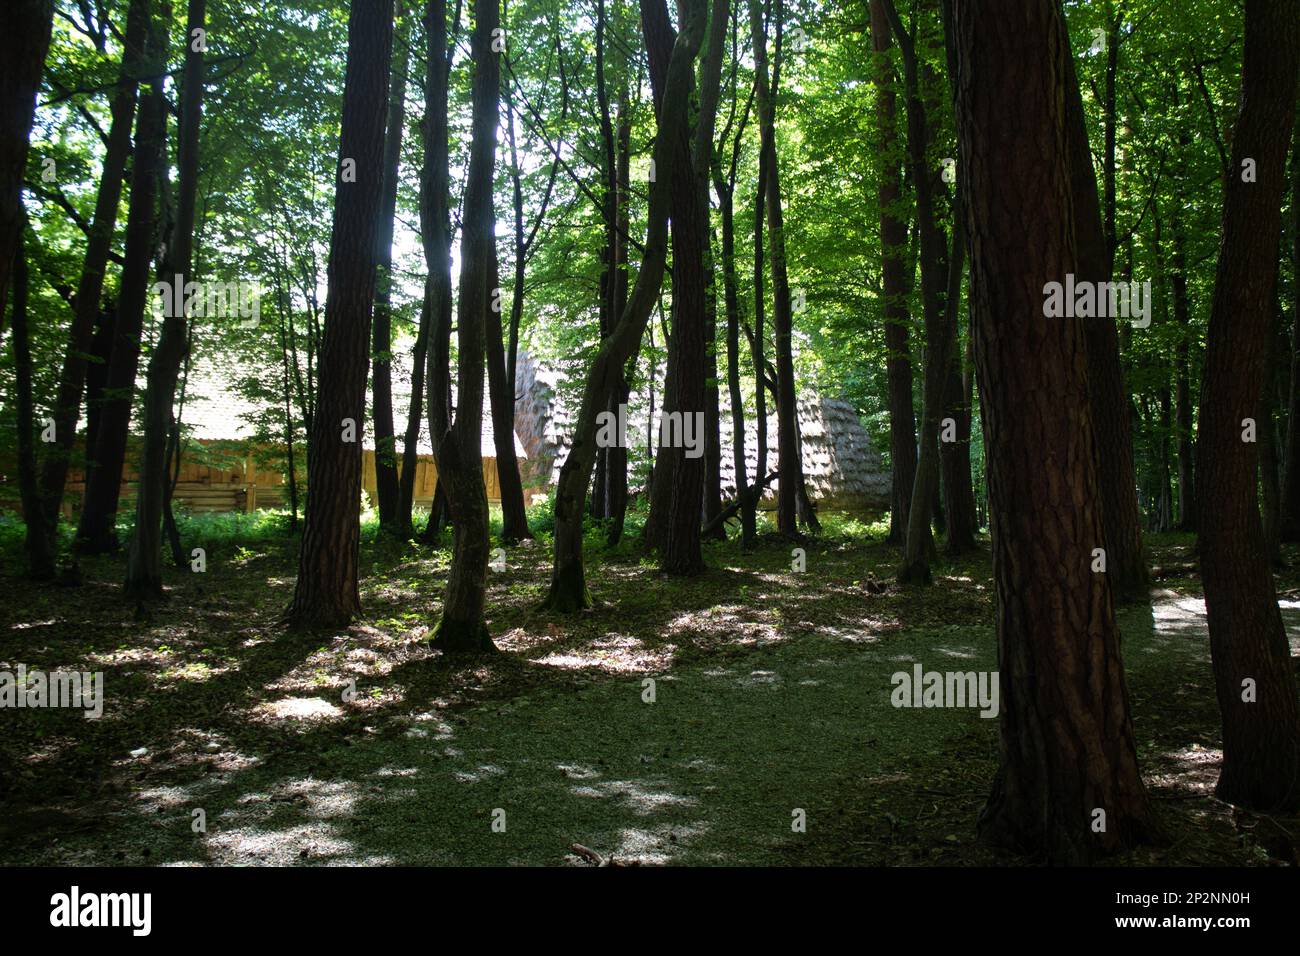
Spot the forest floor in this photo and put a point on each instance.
(771, 696)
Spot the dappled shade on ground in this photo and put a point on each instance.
(771, 695)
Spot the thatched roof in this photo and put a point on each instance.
(842, 468)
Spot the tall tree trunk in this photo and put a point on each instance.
(501, 354)
(97, 530)
(514, 517)
(712, 503)
(940, 316)
(665, 483)
(710, 80)
(895, 283)
(1269, 460)
(679, 475)
(1290, 523)
(457, 451)
(598, 506)
(672, 77)
(40, 559)
(1067, 748)
(326, 593)
(725, 188)
(1110, 402)
(958, 487)
(616, 459)
(144, 559)
(72, 378)
(789, 460)
(1183, 380)
(386, 482)
(1253, 674)
(23, 45)
(436, 230)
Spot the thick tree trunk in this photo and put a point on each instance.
(683, 393)
(326, 593)
(671, 85)
(1067, 748)
(1290, 521)
(97, 530)
(387, 489)
(502, 355)
(1109, 398)
(460, 627)
(72, 378)
(895, 284)
(152, 500)
(1270, 488)
(153, 494)
(1253, 672)
(23, 44)
(680, 471)
(436, 231)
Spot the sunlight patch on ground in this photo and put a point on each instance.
(480, 774)
(578, 771)
(1191, 769)
(1179, 615)
(300, 708)
(397, 772)
(855, 635)
(1184, 616)
(24, 625)
(613, 654)
(432, 725)
(193, 673)
(166, 797)
(655, 846)
(252, 845)
(641, 799)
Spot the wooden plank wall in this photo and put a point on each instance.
(233, 481)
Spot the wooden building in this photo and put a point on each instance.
(224, 468)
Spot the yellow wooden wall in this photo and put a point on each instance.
(235, 482)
